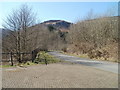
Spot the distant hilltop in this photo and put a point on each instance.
(58, 24)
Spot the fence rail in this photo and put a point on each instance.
(11, 58)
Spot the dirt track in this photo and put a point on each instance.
(58, 76)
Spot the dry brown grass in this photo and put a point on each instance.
(106, 53)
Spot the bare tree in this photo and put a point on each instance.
(19, 21)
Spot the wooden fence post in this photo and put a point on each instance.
(32, 56)
(11, 59)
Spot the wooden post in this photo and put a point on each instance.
(11, 59)
(32, 56)
(45, 61)
(19, 57)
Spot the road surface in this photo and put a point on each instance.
(103, 65)
(64, 75)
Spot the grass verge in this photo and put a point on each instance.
(21, 64)
(5, 66)
(87, 57)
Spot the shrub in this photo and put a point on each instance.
(43, 57)
(98, 54)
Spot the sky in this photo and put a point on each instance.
(69, 11)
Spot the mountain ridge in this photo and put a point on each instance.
(58, 24)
